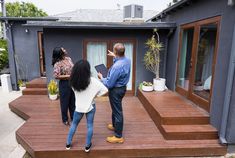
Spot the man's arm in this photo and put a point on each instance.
(110, 81)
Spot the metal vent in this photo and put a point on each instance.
(127, 11)
(133, 11)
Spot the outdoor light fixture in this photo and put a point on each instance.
(26, 30)
(231, 2)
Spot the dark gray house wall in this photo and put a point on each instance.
(231, 119)
(26, 51)
(73, 39)
(198, 10)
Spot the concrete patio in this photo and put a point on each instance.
(9, 123)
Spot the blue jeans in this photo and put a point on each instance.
(115, 98)
(76, 119)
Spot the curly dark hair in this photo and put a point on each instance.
(58, 55)
(81, 75)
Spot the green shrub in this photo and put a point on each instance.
(3, 54)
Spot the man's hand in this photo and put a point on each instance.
(111, 54)
(100, 76)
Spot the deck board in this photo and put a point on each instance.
(44, 135)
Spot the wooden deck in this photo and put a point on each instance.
(44, 136)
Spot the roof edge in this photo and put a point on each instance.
(7, 18)
(165, 11)
(102, 25)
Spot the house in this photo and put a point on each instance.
(197, 60)
(200, 58)
(33, 40)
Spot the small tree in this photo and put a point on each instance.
(3, 54)
(23, 9)
(152, 56)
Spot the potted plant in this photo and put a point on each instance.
(53, 90)
(147, 86)
(21, 85)
(152, 60)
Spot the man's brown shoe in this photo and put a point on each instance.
(110, 127)
(114, 139)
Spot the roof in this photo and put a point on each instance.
(99, 15)
(28, 18)
(172, 8)
(101, 25)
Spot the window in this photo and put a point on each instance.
(96, 54)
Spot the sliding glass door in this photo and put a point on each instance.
(204, 60)
(196, 60)
(185, 63)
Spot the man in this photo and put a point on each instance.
(116, 81)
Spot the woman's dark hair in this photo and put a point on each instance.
(57, 55)
(80, 76)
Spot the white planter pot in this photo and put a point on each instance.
(22, 88)
(147, 88)
(159, 84)
(53, 97)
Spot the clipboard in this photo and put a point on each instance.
(102, 69)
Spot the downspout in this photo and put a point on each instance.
(166, 51)
(14, 77)
(228, 93)
(3, 6)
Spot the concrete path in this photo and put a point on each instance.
(9, 123)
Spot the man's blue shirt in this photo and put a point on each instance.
(119, 73)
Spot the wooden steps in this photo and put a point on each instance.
(34, 91)
(176, 118)
(37, 86)
(187, 132)
(37, 83)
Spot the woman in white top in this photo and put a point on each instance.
(85, 88)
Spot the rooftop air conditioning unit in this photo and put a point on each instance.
(133, 11)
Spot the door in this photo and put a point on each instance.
(41, 55)
(196, 60)
(95, 51)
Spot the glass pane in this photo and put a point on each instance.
(129, 54)
(96, 54)
(184, 68)
(204, 60)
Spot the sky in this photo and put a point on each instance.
(53, 7)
